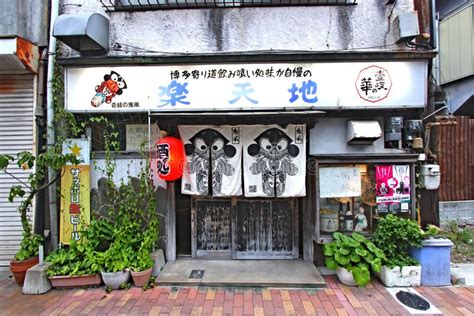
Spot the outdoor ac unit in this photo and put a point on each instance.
(406, 26)
(363, 132)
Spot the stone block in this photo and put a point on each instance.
(159, 261)
(36, 280)
(406, 276)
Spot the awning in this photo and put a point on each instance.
(17, 55)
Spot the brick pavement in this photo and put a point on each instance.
(335, 299)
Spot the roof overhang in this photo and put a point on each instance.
(466, 108)
(241, 57)
(17, 55)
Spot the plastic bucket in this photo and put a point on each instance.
(435, 261)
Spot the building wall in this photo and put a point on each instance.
(25, 18)
(366, 25)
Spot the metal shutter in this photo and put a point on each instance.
(16, 134)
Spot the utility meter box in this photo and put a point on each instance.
(430, 176)
(406, 26)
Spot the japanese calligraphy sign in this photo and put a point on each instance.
(75, 192)
(392, 187)
(230, 87)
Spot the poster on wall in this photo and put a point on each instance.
(274, 160)
(392, 188)
(213, 153)
(75, 191)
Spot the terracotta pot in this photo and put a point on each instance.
(115, 279)
(345, 276)
(141, 278)
(18, 268)
(68, 281)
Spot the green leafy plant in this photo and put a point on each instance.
(396, 236)
(356, 254)
(81, 258)
(27, 190)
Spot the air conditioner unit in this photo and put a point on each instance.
(406, 26)
(363, 132)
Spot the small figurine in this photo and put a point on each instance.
(361, 220)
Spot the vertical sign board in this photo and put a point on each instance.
(75, 191)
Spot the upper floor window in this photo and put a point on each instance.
(135, 5)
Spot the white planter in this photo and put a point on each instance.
(407, 276)
(345, 276)
(115, 279)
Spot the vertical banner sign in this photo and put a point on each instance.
(75, 191)
(274, 160)
(214, 155)
(393, 188)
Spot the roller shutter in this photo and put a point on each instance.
(16, 134)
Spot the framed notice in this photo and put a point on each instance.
(137, 134)
(339, 182)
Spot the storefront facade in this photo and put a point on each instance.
(275, 151)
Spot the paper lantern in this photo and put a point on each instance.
(171, 158)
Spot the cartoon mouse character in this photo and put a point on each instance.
(209, 145)
(112, 85)
(274, 153)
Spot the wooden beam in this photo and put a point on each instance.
(171, 223)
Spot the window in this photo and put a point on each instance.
(352, 196)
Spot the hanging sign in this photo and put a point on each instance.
(170, 160)
(274, 160)
(229, 87)
(75, 192)
(392, 188)
(214, 155)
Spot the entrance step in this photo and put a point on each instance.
(241, 273)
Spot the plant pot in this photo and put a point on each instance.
(115, 279)
(435, 259)
(18, 268)
(142, 277)
(345, 276)
(406, 276)
(68, 281)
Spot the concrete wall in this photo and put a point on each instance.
(318, 28)
(459, 211)
(25, 18)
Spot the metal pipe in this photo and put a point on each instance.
(434, 39)
(53, 216)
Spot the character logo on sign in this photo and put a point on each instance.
(274, 152)
(373, 84)
(112, 85)
(208, 146)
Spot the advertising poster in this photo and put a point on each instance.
(392, 188)
(75, 192)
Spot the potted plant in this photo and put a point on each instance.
(78, 265)
(395, 236)
(142, 267)
(353, 258)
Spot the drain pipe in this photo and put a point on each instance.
(53, 216)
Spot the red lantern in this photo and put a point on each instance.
(171, 158)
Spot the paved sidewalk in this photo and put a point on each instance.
(335, 299)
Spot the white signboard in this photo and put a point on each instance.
(339, 182)
(226, 87)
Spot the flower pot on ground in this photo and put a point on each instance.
(140, 278)
(357, 255)
(114, 280)
(70, 281)
(19, 268)
(345, 276)
(395, 236)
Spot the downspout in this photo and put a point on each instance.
(434, 40)
(53, 216)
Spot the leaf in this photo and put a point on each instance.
(341, 259)
(371, 246)
(344, 251)
(337, 236)
(361, 252)
(358, 237)
(331, 264)
(328, 250)
(350, 242)
(376, 265)
(355, 257)
(361, 275)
